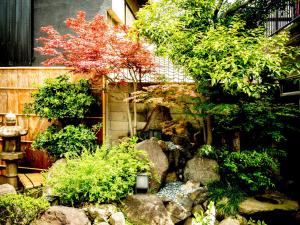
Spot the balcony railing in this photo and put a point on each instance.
(278, 19)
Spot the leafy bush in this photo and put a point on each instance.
(61, 99)
(262, 121)
(104, 176)
(207, 151)
(227, 198)
(69, 140)
(254, 171)
(20, 209)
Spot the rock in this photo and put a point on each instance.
(197, 209)
(100, 213)
(201, 170)
(163, 145)
(62, 215)
(297, 217)
(7, 189)
(267, 203)
(177, 212)
(117, 219)
(158, 159)
(230, 221)
(192, 194)
(189, 221)
(171, 177)
(146, 209)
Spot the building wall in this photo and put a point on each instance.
(55, 12)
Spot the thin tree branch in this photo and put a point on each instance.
(217, 10)
(237, 7)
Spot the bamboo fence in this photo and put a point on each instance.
(16, 87)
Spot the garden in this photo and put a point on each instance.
(224, 150)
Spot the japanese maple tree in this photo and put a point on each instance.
(96, 48)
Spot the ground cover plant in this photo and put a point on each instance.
(226, 197)
(20, 209)
(108, 175)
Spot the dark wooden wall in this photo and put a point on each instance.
(15, 32)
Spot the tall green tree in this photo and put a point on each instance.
(220, 46)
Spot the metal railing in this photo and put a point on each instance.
(280, 18)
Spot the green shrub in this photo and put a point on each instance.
(207, 151)
(207, 218)
(70, 140)
(61, 99)
(105, 176)
(20, 209)
(227, 198)
(254, 171)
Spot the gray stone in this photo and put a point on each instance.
(197, 209)
(7, 189)
(177, 212)
(230, 221)
(195, 192)
(267, 203)
(189, 221)
(62, 215)
(146, 209)
(201, 170)
(117, 219)
(100, 213)
(158, 160)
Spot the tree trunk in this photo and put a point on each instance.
(209, 133)
(128, 115)
(236, 142)
(134, 111)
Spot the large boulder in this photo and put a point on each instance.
(7, 189)
(61, 215)
(117, 219)
(201, 170)
(158, 160)
(267, 203)
(146, 209)
(177, 212)
(230, 221)
(100, 213)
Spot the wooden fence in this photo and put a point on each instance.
(16, 86)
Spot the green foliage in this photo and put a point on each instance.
(20, 209)
(227, 198)
(105, 176)
(218, 53)
(253, 171)
(262, 121)
(207, 218)
(207, 151)
(61, 99)
(68, 141)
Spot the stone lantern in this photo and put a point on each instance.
(11, 147)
